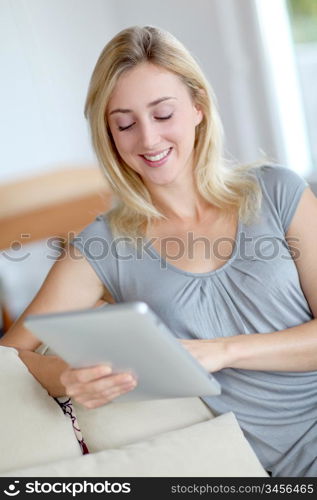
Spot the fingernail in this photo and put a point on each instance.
(132, 384)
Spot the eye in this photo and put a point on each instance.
(164, 117)
(121, 129)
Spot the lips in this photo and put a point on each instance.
(158, 158)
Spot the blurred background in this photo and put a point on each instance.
(260, 57)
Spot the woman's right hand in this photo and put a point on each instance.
(96, 386)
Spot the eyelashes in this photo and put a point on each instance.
(122, 129)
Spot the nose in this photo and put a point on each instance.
(149, 136)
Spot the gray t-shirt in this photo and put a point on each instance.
(256, 291)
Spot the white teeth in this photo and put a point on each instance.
(157, 157)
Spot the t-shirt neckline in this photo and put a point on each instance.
(167, 265)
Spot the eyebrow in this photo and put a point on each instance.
(153, 103)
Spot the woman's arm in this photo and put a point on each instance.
(292, 349)
(47, 370)
(71, 284)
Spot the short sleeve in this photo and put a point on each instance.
(285, 188)
(95, 242)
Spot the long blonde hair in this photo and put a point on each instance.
(218, 182)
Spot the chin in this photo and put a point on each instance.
(163, 181)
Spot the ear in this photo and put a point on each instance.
(198, 107)
(198, 114)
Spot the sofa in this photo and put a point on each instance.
(160, 438)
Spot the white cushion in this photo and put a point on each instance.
(33, 429)
(118, 424)
(215, 448)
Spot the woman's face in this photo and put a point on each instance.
(152, 120)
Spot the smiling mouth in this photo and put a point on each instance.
(158, 156)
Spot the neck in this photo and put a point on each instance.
(180, 201)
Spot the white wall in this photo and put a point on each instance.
(48, 50)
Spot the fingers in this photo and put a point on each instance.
(84, 375)
(101, 386)
(95, 386)
(107, 397)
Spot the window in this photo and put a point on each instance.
(283, 77)
(303, 22)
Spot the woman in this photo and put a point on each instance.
(205, 245)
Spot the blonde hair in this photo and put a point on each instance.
(219, 183)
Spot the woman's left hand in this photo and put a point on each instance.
(210, 353)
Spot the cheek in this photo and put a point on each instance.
(176, 131)
(123, 142)
(184, 128)
(184, 137)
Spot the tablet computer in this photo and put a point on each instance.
(132, 338)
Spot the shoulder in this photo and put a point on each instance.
(98, 227)
(282, 188)
(280, 184)
(95, 242)
(96, 238)
(274, 177)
